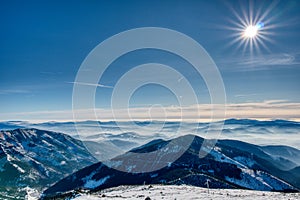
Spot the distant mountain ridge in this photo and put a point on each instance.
(112, 133)
(230, 164)
(10, 125)
(281, 151)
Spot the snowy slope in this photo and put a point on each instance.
(172, 192)
(36, 158)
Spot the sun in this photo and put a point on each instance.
(252, 28)
(251, 31)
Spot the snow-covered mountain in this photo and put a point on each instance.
(36, 158)
(230, 164)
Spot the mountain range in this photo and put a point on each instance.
(63, 164)
(230, 164)
(113, 135)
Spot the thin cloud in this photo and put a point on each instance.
(270, 60)
(91, 84)
(12, 91)
(262, 62)
(271, 109)
(244, 95)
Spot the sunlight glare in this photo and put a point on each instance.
(251, 31)
(253, 27)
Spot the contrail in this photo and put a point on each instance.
(92, 84)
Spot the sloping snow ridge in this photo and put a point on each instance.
(171, 192)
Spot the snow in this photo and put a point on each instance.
(171, 192)
(169, 164)
(47, 143)
(275, 182)
(249, 182)
(31, 132)
(223, 158)
(89, 177)
(259, 181)
(91, 184)
(88, 197)
(32, 194)
(18, 168)
(9, 157)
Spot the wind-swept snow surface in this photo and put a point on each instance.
(171, 192)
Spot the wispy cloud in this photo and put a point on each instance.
(272, 109)
(270, 60)
(91, 84)
(244, 95)
(14, 91)
(262, 62)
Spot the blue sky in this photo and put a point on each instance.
(44, 43)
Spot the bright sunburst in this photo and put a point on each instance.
(252, 28)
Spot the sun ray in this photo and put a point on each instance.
(250, 11)
(257, 44)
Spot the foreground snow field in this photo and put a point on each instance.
(172, 192)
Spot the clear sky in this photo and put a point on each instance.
(43, 43)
